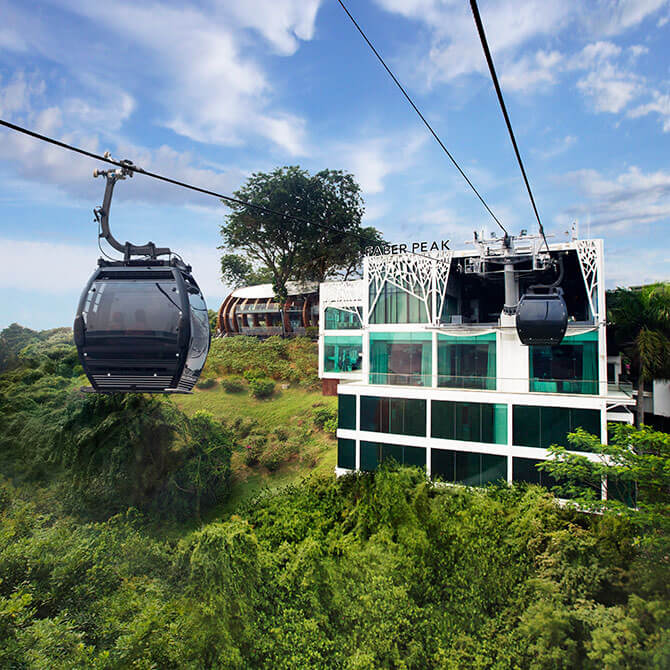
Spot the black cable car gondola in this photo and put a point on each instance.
(141, 324)
(541, 315)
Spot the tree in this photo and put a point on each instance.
(296, 248)
(237, 271)
(640, 320)
(636, 465)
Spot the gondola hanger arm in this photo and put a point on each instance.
(102, 214)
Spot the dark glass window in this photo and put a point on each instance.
(544, 426)
(469, 421)
(467, 362)
(404, 416)
(526, 470)
(468, 468)
(570, 367)
(346, 454)
(374, 454)
(199, 345)
(346, 411)
(133, 309)
(341, 319)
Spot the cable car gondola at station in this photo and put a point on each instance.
(142, 323)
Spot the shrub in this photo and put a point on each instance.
(206, 383)
(312, 332)
(323, 415)
(330, 426)
(253, 373)
(261, 387)
(233, 384)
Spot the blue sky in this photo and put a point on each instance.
(210, 92)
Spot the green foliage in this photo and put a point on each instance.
(377, 570)
(261, 387)
(233, 384)
(293, 361)
(296, 249)
(207, 383)
(323, 414)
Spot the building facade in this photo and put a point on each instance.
(254, 310)
(431, 371)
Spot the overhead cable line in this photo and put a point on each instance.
(421, 116)
(494, 76)
(134, 168)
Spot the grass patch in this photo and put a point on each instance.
(290, 409)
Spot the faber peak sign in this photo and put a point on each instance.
(413, 248)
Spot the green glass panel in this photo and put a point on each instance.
(570, 367)
(371, 413)
(467, 362)
(342, 353)
(401, 358)
(392, 452)
(395, 305)
(526, 470)
(623, 491)
(346, 412)
(442, 419)
(554, 426)
(340, 319)
(442, 464)
(588, 419)
(500, 424)
(468, 468)
(346, 454)
(487, 423)
(415, 456)
(526, 426)
(403, 416)
(415, 417)
(494, 468)
(369, 456)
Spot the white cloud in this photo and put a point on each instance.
(660, 105)
(205, 84)
(513, 30)
(609, 88)
(76, 263)
(620, 204)
(35, 160)
(632, 266)
(559, 147)
(373, 160)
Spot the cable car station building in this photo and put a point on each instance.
(431, 372)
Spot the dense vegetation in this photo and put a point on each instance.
(105, 564)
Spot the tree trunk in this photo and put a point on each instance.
(639, 405)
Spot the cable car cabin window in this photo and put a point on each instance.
(197, 351)
(133, 309)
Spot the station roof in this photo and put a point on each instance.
(264, 291)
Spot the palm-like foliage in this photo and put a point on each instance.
(640, 319)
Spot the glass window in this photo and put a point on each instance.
(468, 468)
(569, 367)
(526, 470)
(133, 308)
(199, 345)
(469, 421)
(395, 305)
(374, 454)
(401, 358)
(467, 362)
(403, 416)
(342, 353)
(544, 426)
(341, 319)
(346, 454)
(346, 412)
